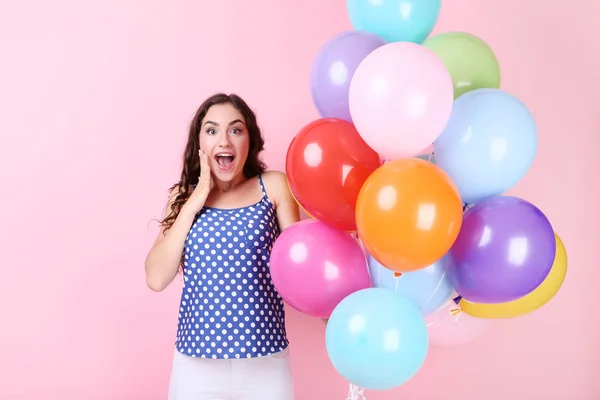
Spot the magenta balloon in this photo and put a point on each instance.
(505, 249)
(314, 266)
(333, 68)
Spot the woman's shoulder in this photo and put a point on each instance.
(278, 190)
(275, 177)
(276, 184)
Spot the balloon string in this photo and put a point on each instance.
(356, 393)
(454, 312)
(362, 248)
(438, 286)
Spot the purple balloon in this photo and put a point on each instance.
(333, 68)
(505, 249)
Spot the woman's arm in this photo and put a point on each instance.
(164, 258)
(288, 211)
(286, 208)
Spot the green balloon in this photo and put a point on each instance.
(427, 157)
(471, 62)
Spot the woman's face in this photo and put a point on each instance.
(225, 140)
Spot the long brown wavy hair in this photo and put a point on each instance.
(190, 172)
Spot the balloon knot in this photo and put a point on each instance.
(457, 299)
(455, 312)
(397, 274)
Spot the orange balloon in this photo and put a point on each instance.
(408, 214)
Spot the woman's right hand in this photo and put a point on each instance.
(205, 185)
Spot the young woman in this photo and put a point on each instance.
(218, 229)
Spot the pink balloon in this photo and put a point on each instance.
(451, 327)
(400, 99)
(314, 267)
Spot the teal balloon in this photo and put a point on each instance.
(376, 339)
(488, 144)
(429, 288)
(395, 20)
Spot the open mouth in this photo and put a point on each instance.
(224, 160)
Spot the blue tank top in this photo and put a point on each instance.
(229, 307)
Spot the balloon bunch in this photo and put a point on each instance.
(404, 243)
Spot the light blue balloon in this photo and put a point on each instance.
(376, 339)
(488, 144)
(395, 20)
(428, 288)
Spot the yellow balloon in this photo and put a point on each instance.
(531, 302)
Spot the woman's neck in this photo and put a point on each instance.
(222, 186)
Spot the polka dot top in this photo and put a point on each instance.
(229, 307)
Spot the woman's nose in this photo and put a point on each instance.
(224, 141)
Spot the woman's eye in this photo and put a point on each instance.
(235, 131)
(211, 131)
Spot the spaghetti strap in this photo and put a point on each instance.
(262, 185)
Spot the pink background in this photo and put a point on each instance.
(95, 98)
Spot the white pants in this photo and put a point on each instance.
(263, 378)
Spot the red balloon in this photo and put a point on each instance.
(327, 164)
